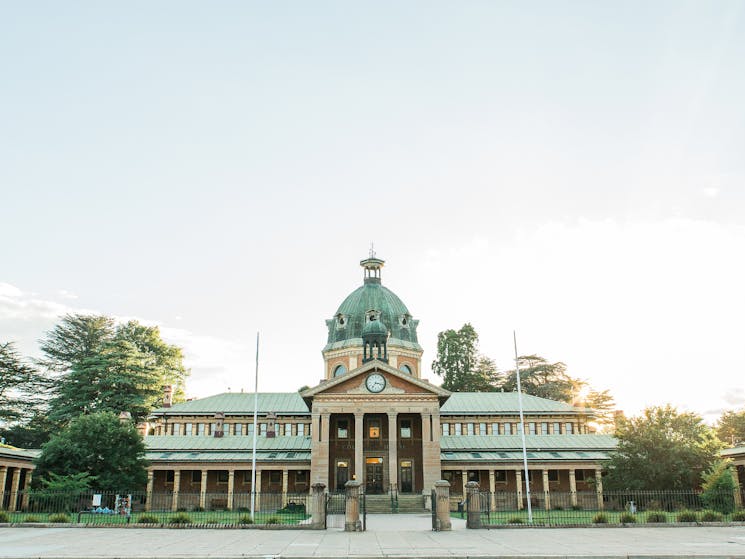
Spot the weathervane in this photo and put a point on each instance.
(372, 250)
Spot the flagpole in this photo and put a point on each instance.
(256, 412)
(522, 432)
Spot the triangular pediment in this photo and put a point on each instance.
(397, 382)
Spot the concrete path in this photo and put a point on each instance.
(393, 536)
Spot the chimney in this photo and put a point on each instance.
(271, 432)
(167, 396)
(219, 421)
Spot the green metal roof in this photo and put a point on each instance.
(240, 403)
(181, 456)
(532, 442)
(488, 403)
(733, 451)
(19, 453)
(204, 443)
(512, 457)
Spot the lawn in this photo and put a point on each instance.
(562, 517)
(201, 517)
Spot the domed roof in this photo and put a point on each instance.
(372, 300)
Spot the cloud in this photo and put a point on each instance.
(711, 191)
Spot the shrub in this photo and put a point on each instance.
(180, 518)
(59, 518)
(627, 518)
(738, 516)
(245, 519)
(576, 507)
(31, 519)
(148, 519)
(197, 509)
(515, 520)
(656, 516)
(272, 520)
(719, 487)
(711, 516)
(558, 507)
(687, 516)
(4, 516)
(600, 518)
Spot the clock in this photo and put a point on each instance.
(375, 382)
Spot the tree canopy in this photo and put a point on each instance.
(110, 452)
(661, 449)
(540, 378)
(459, 363)
(731, 427)
(102, 366)
(21, 386)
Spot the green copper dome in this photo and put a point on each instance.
(370, 304)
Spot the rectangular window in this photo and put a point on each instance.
(374, 429)
(544, 428)
(406, 428)
(288, 429)
(278, 429)
(187, 429)
(200, 429)
(169, 476)
(250, 429)
(222, 476)
(301, 476)
(482, 428)
(553, 475)
(262, 429)
(531, 428)
(557, 428)
(176, 429)
(275, 476)
(227, 429)
(579, 475)
(447, 475)
(196, 476)
(301, 429)
(500, 476)
(508, 428)
(469, 428)
(474, 475)
(238, 429)
(342, 429)
(495, 428)
(247, 476)
(458, 429)
(446, 429)
(568, 428)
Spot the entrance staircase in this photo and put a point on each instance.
(406, 504)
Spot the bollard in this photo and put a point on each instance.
(352, 522)
(318, 505)
(442, 504)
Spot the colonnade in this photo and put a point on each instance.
(15, 472)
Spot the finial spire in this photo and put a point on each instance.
(372, 249)
(372, 265)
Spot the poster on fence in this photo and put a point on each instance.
(96, 500)
(123, 504)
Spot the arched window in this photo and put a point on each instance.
(405, 368)
(339, 370)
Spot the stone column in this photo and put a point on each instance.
(352, 521)
(318, 505)
(430, 451)
(573, 487)
(736, 479)
(285, 485)
(546, 496)
(359, 437)
(176, 489)
(319, 454)
(231, 488)
(463, 481)
(519, 486)
(392, 451)
(599, 487)
(203, 490)
(16, 481)
(149, 494)
(26, 489)
(474, 505)
(3, 480)
(442, 505)
(492, 491)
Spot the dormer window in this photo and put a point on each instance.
(340, 370)
(341, 321)
(372, 315)
(404, 321)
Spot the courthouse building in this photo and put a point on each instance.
(372, 418)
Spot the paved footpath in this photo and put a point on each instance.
(389, 536)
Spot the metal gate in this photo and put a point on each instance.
(433, 506)
(336, 510)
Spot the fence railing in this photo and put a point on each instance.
(155, 508)
(610, 507)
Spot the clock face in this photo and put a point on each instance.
(375, 382)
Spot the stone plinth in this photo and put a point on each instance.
(352, 522)
(442, 506)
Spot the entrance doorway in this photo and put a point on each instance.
(406, 475)
(374, 475)
(342, 474)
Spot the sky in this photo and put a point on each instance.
(572, 171)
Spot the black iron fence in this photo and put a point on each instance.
(278, 509)
(610, 507)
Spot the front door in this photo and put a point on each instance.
(406, 475)
(342, 474)
(374, 475)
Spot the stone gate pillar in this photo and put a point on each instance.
(442, 505)
(318, 505)
(352, 522)
(474, 505)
